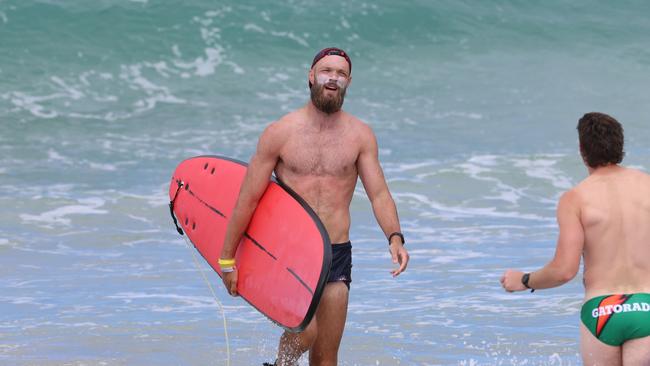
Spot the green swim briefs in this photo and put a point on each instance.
(614, 319)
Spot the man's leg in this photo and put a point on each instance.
(331, 315)
(293, 345)
(636, 352)
(597, 353)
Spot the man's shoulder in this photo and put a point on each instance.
(284, 123)
(581, 192)
(276, 133)
(625, 174)
(354, 119)
(596, 185)
(638, 173)
(572, 196)
(357, 124)
(287, 118)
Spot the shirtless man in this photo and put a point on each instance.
(606, 220)
(320, 151)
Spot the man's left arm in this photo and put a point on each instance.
(383, 205)
(566, 262)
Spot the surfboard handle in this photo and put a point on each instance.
(171, 206)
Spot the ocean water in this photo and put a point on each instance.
(474, 104)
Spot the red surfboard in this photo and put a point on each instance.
(284, 257)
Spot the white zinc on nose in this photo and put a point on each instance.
(340, 80)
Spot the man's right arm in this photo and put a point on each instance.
(255, 182)
(566, 262)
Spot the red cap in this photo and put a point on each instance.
(331, 51)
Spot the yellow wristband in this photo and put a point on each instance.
(226, 263)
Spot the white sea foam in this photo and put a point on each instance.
(31, 103)
(53, 155)
(49, 324)
(132, 74)
(218, 13)
(203, 66)
(235, 67)
(468, 115)
(178, 302)
(59, 216)
(157, 198)
(278, 77)
(71, 92)
(61, 249)
(141, 241)
(26, 284)
(26, 300)
(456, 256)
(507, 194)
(474, 170)
(140, 218)
(290, 35)
(405, 167)
(10, 348)
(254, 28)
(489, 160)
(543, 167)
(67, 91)
(455, 212)
(50, 190)
(207, 66)
(265, 15)
(102, 166)
(279, 97)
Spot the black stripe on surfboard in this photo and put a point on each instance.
(255, 242)
(260, 246)
(293, 273)
(215, 210)
(300, 280)
(205, 203)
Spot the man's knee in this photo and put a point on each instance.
(338, 289)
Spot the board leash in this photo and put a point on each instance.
(216, 299)
(198, 266)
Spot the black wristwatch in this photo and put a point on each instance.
(524, 279)
(397, 233)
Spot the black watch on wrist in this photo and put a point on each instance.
(397, 233)
(524, 280)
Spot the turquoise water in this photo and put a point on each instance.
(474, 105)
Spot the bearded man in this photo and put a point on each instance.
(320, 151)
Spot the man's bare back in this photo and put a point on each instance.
(604, 220)
(615, 215)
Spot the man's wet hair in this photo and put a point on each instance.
(601, 139)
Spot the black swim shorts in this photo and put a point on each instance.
(341, 269)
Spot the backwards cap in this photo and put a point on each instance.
(331, 51)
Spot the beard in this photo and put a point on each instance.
(327, 104)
